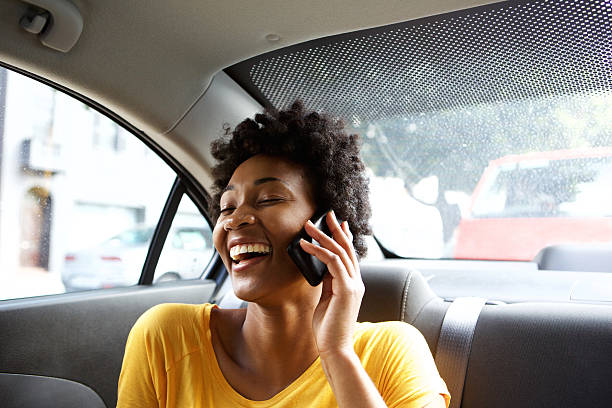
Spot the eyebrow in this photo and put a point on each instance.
(257, 182)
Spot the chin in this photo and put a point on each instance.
(250, 290)
(272, 292)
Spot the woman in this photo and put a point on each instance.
(295, 345)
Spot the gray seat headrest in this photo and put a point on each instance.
(393, 293)
(576, 257)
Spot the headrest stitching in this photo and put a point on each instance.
(405, 295)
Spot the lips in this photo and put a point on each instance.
(247, 263)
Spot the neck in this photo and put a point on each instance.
(279, 339)
(267, 328)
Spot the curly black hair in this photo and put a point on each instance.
(313, 140)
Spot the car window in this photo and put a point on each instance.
(486, 132)
(188, 248)
(444, 183)
(79, 194)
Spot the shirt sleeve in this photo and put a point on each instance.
(407, 375)
(141, 370)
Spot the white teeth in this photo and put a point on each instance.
(244, 248)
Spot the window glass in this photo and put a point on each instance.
(487, 136)
(188, 247)
(497, 181)
(374, 252)
(78, 194)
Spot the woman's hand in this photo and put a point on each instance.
(335, 315)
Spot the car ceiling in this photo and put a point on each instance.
(151, 61)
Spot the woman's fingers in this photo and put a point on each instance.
(344, 238)
(332, 246)
(352, 253)
(343, 288)
(336, 266)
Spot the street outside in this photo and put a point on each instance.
(28, 282)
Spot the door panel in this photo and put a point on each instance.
(81, 336)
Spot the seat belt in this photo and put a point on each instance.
(455, 343)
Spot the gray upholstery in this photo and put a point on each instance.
(576, 257)
(541, 355)
(394, 292)
(522, 355)
(32, 391)
(81, 336)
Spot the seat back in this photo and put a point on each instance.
(541, 355)
(394, 292)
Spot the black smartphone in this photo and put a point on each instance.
(312, 269)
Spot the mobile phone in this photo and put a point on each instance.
(312, 269)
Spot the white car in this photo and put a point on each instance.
(118, 260)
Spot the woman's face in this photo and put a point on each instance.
(265, 205)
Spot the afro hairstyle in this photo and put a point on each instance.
(316, 141)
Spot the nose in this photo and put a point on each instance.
(241, 217)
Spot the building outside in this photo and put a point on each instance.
(69, 179)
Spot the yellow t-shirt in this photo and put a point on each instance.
(170, 362)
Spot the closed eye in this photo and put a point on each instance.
(226, 210)
(270, 200)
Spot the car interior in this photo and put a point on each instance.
(174, 75)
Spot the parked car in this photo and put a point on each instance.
(118, 261)
(120, 101)
(524, 203)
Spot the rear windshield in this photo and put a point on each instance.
(431, 173)
(442, 103)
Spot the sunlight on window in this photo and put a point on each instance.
(434, 175)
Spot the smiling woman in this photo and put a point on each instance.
(266, 203)
(295, 344)
(315, 141)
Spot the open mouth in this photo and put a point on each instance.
(242, 252)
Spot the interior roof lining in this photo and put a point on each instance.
(152, 71)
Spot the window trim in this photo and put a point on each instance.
(161, 232)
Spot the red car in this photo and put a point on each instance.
(526, 202)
